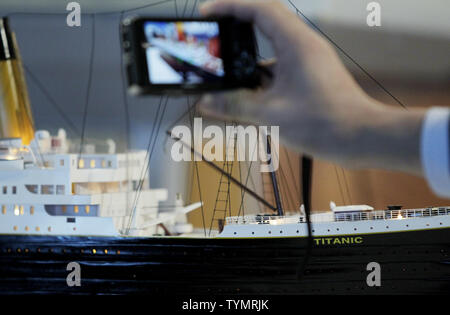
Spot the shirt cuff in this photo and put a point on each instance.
(435, 147)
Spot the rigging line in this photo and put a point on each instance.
(339, 184)
(96, 13)
(88, 92)
(147, 167)
(289, 195)
(178, 120)
(146, 154)
(289, 192)
(229, 167)
(185, 7)
(346, 186)
(127, 114)
(242, 191)
(217, 168)
(176, 8)
(150, 147)
(297, 187)
(197, 175)
(143, 7)
(246, 182)
(52, 101)
(193, 8)
(252, 182)
(348, 56)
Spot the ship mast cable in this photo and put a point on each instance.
(193, 8)
(196, 170)
(242, 206)
(217, 168)
(127, 117)
(246, 181)
(52, 101)
(146, 166)
(346, 186)
(273, 176)
(229, 170)
(297, 188)
(339, 184)
(96, 13)
(347, 55)
(284, 181)
(88, 91)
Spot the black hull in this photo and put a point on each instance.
(414, 262)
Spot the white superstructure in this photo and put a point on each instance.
(340, 221)
(44, 189)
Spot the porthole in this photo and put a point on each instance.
(298, 231)
(281, 231)
(328, 230)
(387, 227)
(337, 229)
(234, 233)
(355, 229)
(371, 227)
(253, 233)
(270, 232)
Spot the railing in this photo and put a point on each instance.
(342, 216)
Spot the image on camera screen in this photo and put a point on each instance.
(183, 52)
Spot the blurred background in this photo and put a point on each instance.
(408, 54)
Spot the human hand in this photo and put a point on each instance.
(319, 107)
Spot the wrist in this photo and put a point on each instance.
(389, 138)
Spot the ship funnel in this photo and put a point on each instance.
(16, 120)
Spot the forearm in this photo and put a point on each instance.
(388, 138)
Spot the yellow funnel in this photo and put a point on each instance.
(16, 119)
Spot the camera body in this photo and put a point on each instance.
(189, 56)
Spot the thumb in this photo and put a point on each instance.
(240, 106)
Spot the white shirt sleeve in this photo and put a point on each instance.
(435, 150)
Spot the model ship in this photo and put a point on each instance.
(59, 207)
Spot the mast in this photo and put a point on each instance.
(273, 176)
(229, 176)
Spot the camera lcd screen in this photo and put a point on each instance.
(184, 52)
